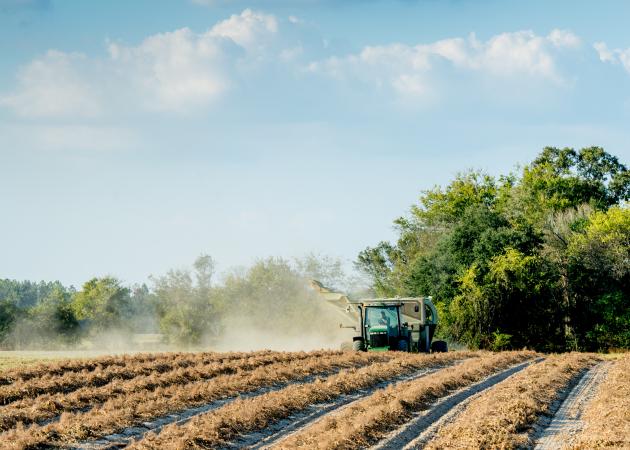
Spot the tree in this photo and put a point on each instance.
(599, 266)
(188, 311)
(103, 302)
(539, 259)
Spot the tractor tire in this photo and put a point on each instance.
(346, 346)
(357, 346)
(403, 346)
(439, 347)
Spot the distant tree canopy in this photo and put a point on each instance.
(540, 259)
(185, 306)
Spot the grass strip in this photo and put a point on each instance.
(504, 415)
(367, 421)
(219, 427)
(124, 411)
(38, 409)
(607, 417)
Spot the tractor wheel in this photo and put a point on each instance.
(357, 346)
(439, 347)
(403, 345)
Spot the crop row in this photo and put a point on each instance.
(503, 416)
(60, 367)
(124, 411)
(219, 427)
(368, 420)
(38, 409)
(607, 417)
(70, 381)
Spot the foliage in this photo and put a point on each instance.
(186, 309)
(103, 302)
(543, 256)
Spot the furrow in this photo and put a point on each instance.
(224, 426)
(419, 430)
(567, 420)
(123, 412)
(504, 416)
(371, 419)
(48, 407)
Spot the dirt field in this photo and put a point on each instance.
(320, 399)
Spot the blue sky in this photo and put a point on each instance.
(136, 135)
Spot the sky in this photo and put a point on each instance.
(136, 135)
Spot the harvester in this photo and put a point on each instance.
(380, 324)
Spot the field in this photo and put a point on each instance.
(321, 399)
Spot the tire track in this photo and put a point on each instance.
(567, 422)
(420, 430)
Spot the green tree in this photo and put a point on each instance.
(528, 256)
(188, 311)
(103, 302)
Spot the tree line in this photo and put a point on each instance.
(539, 258)
(186, 307)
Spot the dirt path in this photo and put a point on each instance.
(567, 422)
(420, 430)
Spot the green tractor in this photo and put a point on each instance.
(403, 324)
(381, 324)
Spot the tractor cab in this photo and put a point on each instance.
(403, 324)
(382, 327)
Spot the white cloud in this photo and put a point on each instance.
(174, 71)
(53, 85)
(613, 56)
(246, 29)
(406, 68)
(563, 39)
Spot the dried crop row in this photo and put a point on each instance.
(247, 415)
(607, 417)
(70, 381)
(61, 367)
(367, 421)
(75, 380)
(122, 412)
(38, 409)
(504, 415)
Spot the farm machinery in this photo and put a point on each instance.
(381, 324)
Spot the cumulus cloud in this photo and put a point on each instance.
(246, 29)
(613, 56)
(53, 85)
(406, 68)
(173, 71)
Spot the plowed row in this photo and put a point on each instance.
(503, 416)
(493, 400)
(127, 409)
(224, 424)
(607, 417)
(65, 382)
(38, 408)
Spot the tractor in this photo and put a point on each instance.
(381, 324)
